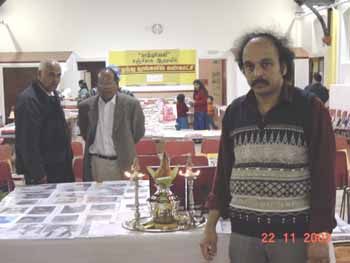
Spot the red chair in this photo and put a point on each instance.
(77, 148)
(339, 113)
(6, 181)
(210, 146)
(341, 170)
(341, 180)
(147, 160)
(174, 148)
(338, 119)
(78, 165)
(146, 147)
(202, 186)
(332, 112)
(5, 152)
(196, 160)
(70, 107)
(341, 143)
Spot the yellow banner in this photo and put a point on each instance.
(155, 67)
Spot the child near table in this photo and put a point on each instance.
(211, 113)
(182, 109)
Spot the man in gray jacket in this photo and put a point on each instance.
(111, 124)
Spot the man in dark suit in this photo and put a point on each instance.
(43, 151)
(318, 89)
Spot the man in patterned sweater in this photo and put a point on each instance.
(275, 174)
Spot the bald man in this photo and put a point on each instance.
(43, 151)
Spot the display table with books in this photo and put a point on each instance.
(187, 134)
(82, 222)
(9, 130)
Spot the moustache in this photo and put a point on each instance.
(260, 81)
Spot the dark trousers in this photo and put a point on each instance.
(200, 121)
(181, 123)
(59, 172)
(211, 123)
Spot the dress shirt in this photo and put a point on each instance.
(103, 143)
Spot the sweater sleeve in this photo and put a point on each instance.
(220, 197)
(322, 163)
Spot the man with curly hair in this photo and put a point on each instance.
(275, 173)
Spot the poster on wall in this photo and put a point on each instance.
(155, 67)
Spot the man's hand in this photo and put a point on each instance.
(318, 253)
(97, 179)
(208, 244)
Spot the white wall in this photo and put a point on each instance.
(92, 28)
(339, 97)
(70, 76)
(301, 72)
(241, 82)
(311, 33)
(343, 75)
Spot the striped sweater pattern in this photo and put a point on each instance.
(270, 180)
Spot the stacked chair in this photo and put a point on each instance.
(210, 146)
(340, 121)
(176, 148)
(342, 173)
(146, 151)
(6, 180)
(78, 163)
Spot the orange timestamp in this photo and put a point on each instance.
(270, 238)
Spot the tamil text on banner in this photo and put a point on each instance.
(155, 67)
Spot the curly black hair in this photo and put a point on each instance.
(282, 44)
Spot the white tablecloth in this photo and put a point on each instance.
(81, 222)
(183, 134)
(92, 238)
(134, 247)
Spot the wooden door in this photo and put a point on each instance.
(213, 74)
(316, 64)
(15, 81)
(93, 67)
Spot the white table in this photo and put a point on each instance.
(8, 131)
(183, 134)
(104, 241)
(134, 247)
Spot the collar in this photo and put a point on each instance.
(286, 95)
(51, 93)
(41, 92)
(103, 103)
